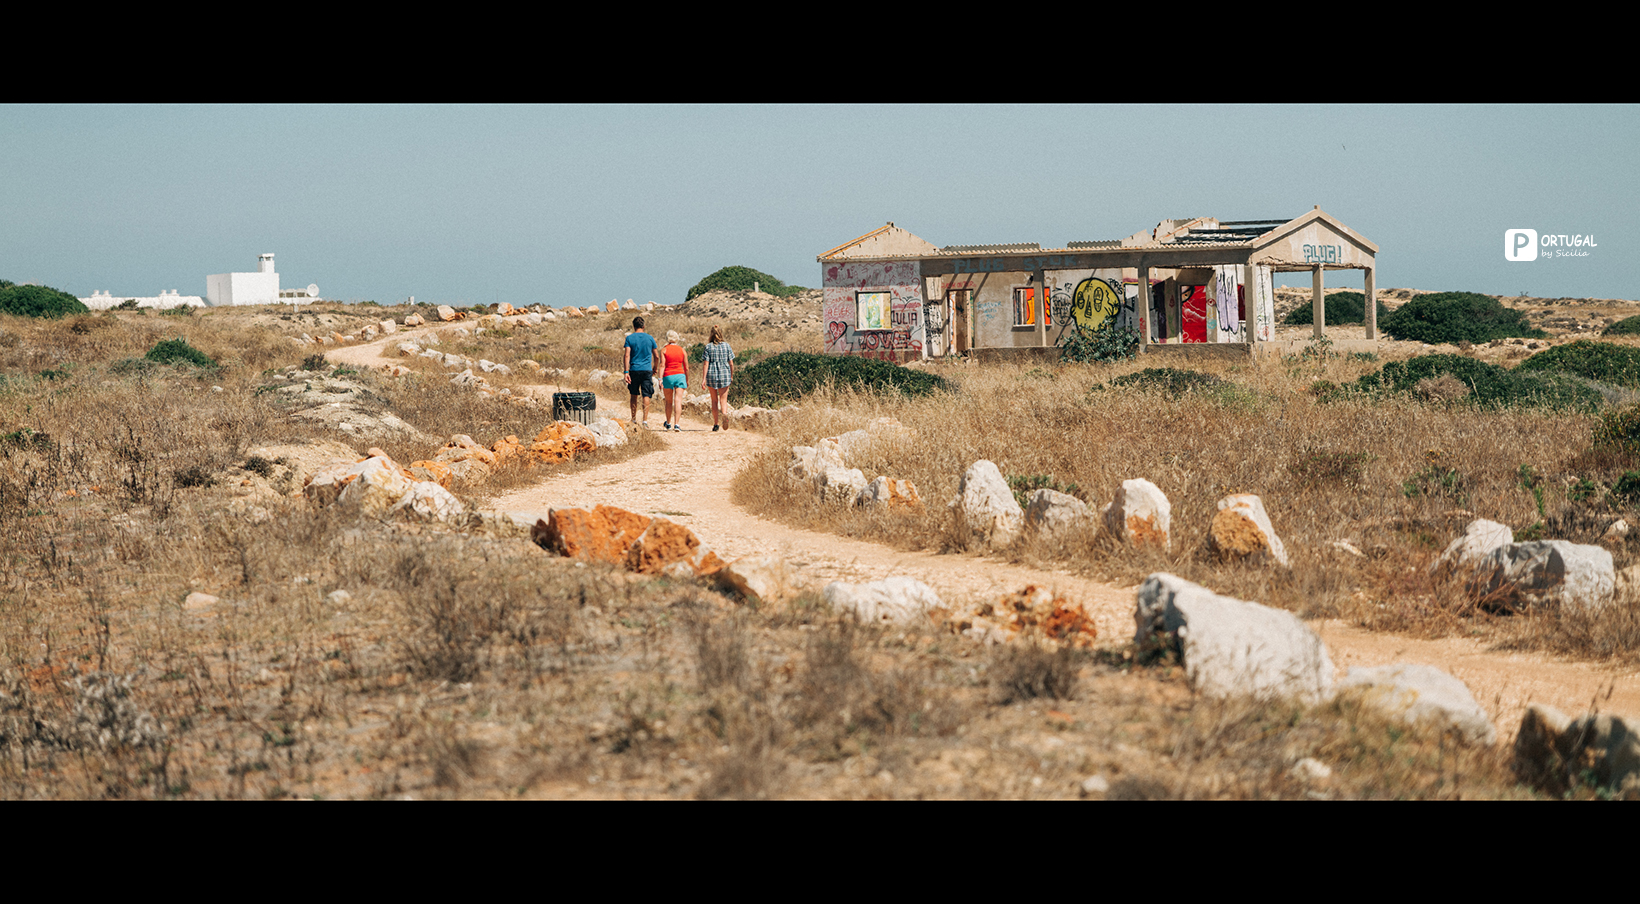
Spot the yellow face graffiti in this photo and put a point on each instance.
(1095, 299)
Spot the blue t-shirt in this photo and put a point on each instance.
(643, 351)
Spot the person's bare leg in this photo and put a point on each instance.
(634, 403)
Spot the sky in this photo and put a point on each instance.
(564, 205)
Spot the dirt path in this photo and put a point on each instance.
(689, 483)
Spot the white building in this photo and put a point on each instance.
(261, 287)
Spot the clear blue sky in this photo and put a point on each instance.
(580, 204)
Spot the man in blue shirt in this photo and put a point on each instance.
(640, 368)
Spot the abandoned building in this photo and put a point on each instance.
(893, 296)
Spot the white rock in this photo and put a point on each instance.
(1231, 647)
(195, 601)
(409, 349)
(486, 366)
(1478, 539)
(1251, 507)
(388, 326)
(896, 600)
(1057, 517)
(757, 579)
(1140, 513)
(1095, 784)
(598, 376)
(607, 432)
(840, 486)
(426, 499)
(987, 514)
(1574, 576)
(1616, 534)
(1310, 770)
(378, 484)
(1420, 695)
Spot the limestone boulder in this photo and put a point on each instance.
(1572, 576)
(1241, 530)
(897, 600)
(668, 548)
(607, 433)
(987, 515)
(408, 349)
(560, 440)
(1036, 612)
(1232, 647)
(427, 500)
(1554, 752)
(379, 484)
(808, 463)
(604, 534)
(886, 493)
(759, 580)
(388, 326)
(1463, 554)
(612, 306)
(1058, 517)
(447, 313)
(1140, 514)
(1420, 695)
(840, 486)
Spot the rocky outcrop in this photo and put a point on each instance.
(759, 580)
(1231, 647)
(668, 548)
(889, 494)
(1036, 613)
(604, 534)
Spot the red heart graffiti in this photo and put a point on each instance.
(837, 330)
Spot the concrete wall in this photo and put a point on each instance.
(840, 283)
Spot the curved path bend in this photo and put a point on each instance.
(689, 482)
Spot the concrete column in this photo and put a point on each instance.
(1318, 303)
(1249, 292)
(1372, 305)
(1142, 304)
(1042, 310)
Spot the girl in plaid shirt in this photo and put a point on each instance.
(720, 371)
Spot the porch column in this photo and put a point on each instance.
(1318, 303)
(1141, 309)
(1042, 309)
(1372, 305)
(1249, 287)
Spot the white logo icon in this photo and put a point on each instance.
(1520, 244)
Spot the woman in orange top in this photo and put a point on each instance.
(674, 379)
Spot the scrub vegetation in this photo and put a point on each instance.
(1454, 317)
(347, 657)
(742, 279)
(1341, 307)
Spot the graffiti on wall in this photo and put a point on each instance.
(1229, 306)
(889, 298)
(1089, 299)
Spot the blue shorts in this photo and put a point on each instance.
(675, 381)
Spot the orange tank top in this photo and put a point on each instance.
(674, 360)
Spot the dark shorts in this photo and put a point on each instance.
(642, 382)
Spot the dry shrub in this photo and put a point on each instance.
(1026, 671)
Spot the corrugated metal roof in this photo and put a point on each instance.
(1020, 247)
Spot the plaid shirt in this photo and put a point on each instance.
(718, 356)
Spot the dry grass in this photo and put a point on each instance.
(460, 664)
(1395, 478)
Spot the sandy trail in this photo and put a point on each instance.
(689, 482)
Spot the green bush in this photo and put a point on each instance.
(1342, 307)
(742, 279)
(178, 351)
(1457, 317)
(1618, 365)
(1490, 386)
(1171, 381)
(789, 376)
(38, 301)
(1628, 326)
(1106, 342)
(1619, 429)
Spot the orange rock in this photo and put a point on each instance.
(1234, 536)
(506, 449)
(664, 543)
(462, 447)
(604, 534)
(437, 471)
(1143, 531)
